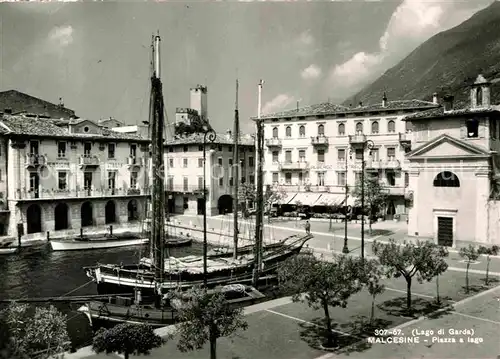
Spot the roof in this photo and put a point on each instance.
(440, 112)
(19, 125)
(473, 149)
(20, 102)
(220, 139)
(328, 108)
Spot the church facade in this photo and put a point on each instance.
(454, 171)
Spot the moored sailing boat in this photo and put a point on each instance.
(165, 274)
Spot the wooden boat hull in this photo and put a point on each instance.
(8, 250)
(124, 312)
(112, 279)
(178, 242)
(74, 245)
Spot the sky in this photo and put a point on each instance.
(95, 55)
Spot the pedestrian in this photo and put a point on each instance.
(308, 227)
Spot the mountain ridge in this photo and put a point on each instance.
(447, 63)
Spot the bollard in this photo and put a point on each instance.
(19, 240)
(48, 236)
(81, 232)
(111, 230)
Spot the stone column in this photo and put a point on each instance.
(483, 214)
(413, 212)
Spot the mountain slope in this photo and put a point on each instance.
(446, 63)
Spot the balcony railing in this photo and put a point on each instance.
(185, 189)
(298, 165)
(89, 160)
(135, 161)
(81, 193)
(273, 142)
(358, 139)
(35, 160)
(381, 164)
(319, 140)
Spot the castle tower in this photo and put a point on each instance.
(480, 93)
(199, 100)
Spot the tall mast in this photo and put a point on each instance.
(260, 195)
(149, 163)
(236, 166)
(158, 194)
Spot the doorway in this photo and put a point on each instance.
(445, 231)
(61, 217)
(110, 212)
(87, 216)
(201, 206)
(34, 219)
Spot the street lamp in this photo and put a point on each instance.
(209, 135)
(367, 144)
(346, 248)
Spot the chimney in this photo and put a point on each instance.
(435, 99)
(384, 100)
(228, 134)
(448, 102)
(61, 102)
(7, 111)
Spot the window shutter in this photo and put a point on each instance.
(463, 130)
(481, 129)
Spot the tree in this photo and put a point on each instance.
(29, 332)
(205, 318)
(471, 254)
(331, 209)
(488, 251)
(299, 206)
(371, 277)
(407, 260)
(437, 266)
(246, 192)
(375, 197)
(322, 284)
(126, 339)
(272, 196)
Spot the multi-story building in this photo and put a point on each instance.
(311, 152)
(455, 170)
(67, 174)
(184, 164)
(15, 102)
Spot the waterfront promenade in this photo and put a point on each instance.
(284, 330)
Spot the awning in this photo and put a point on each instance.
(351, 200)
(306, 198)
(330, 199)
(288, 197)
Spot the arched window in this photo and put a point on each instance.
(446, 179)
(374, 127)
(302, 131)
(275, 132)
(479, 96)
(359, 128)
(391, 126)
(321, 130)
(288, 131)
(341, 129)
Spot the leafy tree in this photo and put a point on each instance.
(272, 196)
(437, 266)
(205, 318)
(246, 193)
(331, 208)
(126, 339)
(322, 284)
(470, 254)
(375, 197)
(299, 206)
(407, 260)
(29, 332)
(488, 251)
(371, 277)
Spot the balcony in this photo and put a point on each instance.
(273, 142)
(192, 189)
(89, 161)
(405, 140)
(357, 140)
(35, 160)
(294, 166)
(319, 141)
(135, 162)
(52, 194)
(391, 164)
(395, 191)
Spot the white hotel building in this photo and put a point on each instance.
(306, 151)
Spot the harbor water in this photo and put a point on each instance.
(40, 272)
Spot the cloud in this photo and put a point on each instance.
(310, 73)
(61, 35)
(278, 103)
(306, 38)
(412, 23)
